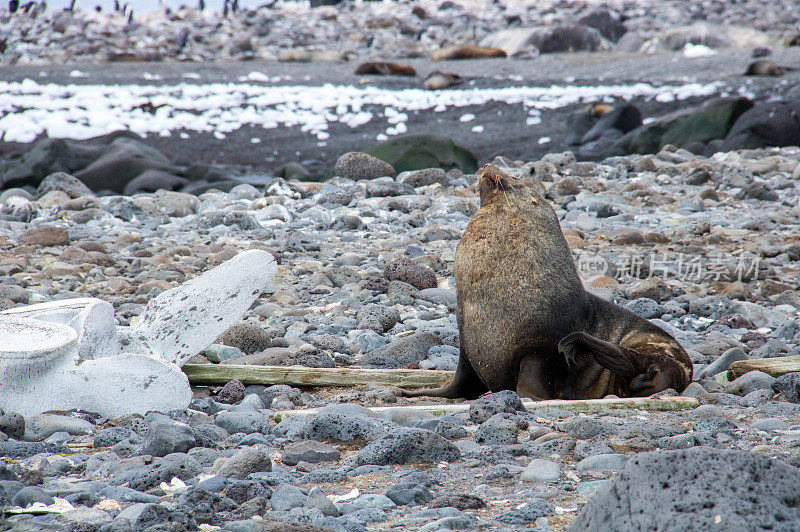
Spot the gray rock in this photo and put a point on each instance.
(343, 426)
(14, 292)
(788, 385)
(246, 461)
(144, 516)
(359, 165)
(246, 337)
(41, 426)
(531, 511)
(723, 362)
(586, 427)
(409, 350)
(310, 451)
(286, 496)
(153, 180)
(645, 307)
(408, 271)
(485, 407)
(166, 437)
(540, 470)
(769, 424)
(113, 435)
(601, 462)
(750, 382)
(409, 494)
(379, 318)
(408, 445)
(82, 518)
(219, 353)
(123, 494)
(367, 500)
(244, 421)
(421, 178)
(12, 424)
(693, 489)
(64, 182)
(292, 428)
(31, 494)
(586, 448)
(460, 501)
(24, 449)
(499, 429)
(317, 500)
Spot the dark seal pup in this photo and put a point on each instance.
(525, 321)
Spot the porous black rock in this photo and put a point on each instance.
(696, 489)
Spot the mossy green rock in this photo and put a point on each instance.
(711, 120)
(417, 152)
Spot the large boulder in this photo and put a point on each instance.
(607, 22)
(123, 160)
(696, 489)
(687, 128)
(567, 38)
(416, 152)
(47, 156)
(766, 124)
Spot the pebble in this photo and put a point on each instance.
(539, 470)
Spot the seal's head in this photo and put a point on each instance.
(494, 184)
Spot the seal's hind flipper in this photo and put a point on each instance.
(466, 384)
(617, 359)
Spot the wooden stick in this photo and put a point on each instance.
(300, 376)
(663, 404)
(771, 366)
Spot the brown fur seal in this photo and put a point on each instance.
(384, 68)
(525, 321)
(763, 67)
(467, 51)
(437, 80)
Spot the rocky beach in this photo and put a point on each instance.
(223, 253)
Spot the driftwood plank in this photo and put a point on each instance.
(771, 366)
(664, 404)
(299, 376)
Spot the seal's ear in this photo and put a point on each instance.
(618, 360)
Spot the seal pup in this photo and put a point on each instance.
(764, 67)
(385, 68)
(438, 80)
(527, 324)
(467, 51)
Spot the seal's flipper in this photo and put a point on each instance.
(466, 384)
(617, 359)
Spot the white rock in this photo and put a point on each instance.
(181, 322)
(30, 349)
(111, 386)
(91, 318)
(40, 370)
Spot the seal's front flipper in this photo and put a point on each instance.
(617, 359)
(466, 384)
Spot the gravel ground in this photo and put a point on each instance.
(493, 467)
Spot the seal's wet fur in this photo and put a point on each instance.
(527, 324)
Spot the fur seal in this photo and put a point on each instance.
(527, 324)
(763, 67)
(438, 80)
(467, 51)
(384, 68)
